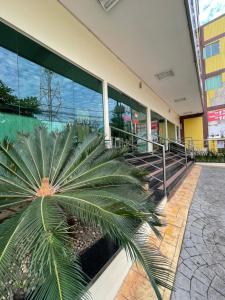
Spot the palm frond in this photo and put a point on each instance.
(21, 165)
(9, 231)
(46, 232)
(82, 157)
(120, 225)
(62, 150)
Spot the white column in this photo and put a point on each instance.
(149, 129)
(106, 113)
(176, 137)
(166, 133)
(179, 136)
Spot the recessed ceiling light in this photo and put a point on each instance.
(164, 74)
(108, 4)
(180, 99)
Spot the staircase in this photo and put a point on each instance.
(164, 168)
(175, 170)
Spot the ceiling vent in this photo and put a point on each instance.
(108, 4)
(180, 100)
(164, 74)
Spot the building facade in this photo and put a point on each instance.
(208, 130)
(78, 61)
(55, 68)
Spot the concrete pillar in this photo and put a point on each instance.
(176, 137)
(149, 130)
(107, 132)
(166, 134)
(179, 136)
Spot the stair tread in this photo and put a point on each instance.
(167, 167)
(174, 177)
(150, 163)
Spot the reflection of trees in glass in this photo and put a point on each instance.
(117, 120)
(50, 94)
(12, 104)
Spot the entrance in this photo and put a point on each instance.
(158, 127)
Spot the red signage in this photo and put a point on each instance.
(216, 115)
(154, 124)
(126, 118)
(135, 121)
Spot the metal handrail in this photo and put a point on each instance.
(153, 143)
(179, 144)
(138, 158)
(172, 141)
(139, 137)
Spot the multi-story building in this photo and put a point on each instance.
(104, 64)
(208, 129)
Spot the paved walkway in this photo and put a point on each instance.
(136, 285)
(201, 267)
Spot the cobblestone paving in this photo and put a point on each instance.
(201, 266)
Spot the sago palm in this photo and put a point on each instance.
(51, 178)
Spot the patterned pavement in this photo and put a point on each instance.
(201, 266)
(136, 285)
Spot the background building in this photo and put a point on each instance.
(208, 129)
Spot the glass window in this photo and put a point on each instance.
(127, 114)
(37, 86)
(213, 83)
(211, 50)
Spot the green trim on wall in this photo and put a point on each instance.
(121, 97)
(27, 48)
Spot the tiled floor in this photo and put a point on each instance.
(136, 285)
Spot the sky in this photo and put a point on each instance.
(210, 9)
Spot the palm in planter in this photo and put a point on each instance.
(51, 179)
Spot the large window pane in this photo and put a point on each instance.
(38, 87)
(128, 115)
(213, 83)
(211, 50)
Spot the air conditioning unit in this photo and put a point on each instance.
(108, 4)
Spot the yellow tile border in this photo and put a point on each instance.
(136, 285)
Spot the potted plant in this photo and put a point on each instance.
(47, 180)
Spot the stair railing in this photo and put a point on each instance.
(123, 142)
(169, 142)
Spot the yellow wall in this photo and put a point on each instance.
(162, 129)
(48, 22)
(216, 62)
(214, 28)
(193, 128)
(210, 94)
(213, 146)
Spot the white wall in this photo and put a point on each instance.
(48, 22)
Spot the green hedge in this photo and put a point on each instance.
(210, 156)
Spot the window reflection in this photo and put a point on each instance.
(128, 115)
(31, 94)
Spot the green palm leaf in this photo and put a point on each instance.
(52, 178)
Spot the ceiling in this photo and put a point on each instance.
(149, 36)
